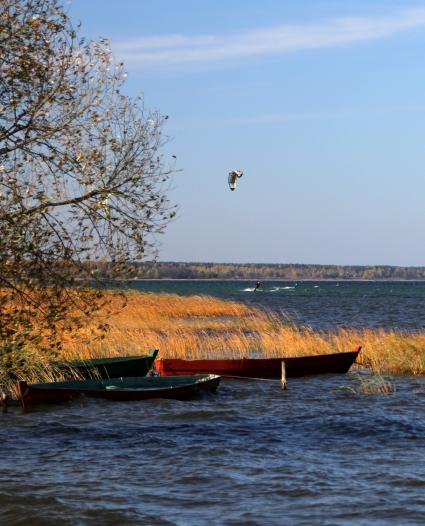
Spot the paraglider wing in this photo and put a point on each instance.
(233, 176)
(232, 181)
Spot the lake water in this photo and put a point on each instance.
(320, 453)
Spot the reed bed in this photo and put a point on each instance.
(206, 327)
(376, 384)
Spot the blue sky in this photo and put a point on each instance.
(320, 102)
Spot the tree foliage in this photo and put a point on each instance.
(81, 173)
(264, 271)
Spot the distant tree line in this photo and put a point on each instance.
(258, 271)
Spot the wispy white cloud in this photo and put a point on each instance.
(252, 120)
(168, 50)
(269, 119)
(256, 120)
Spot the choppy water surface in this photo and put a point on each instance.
(321, 453)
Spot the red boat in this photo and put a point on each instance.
(261, 367)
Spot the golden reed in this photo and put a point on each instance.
(206, 327)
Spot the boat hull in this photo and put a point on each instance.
(269, 368)
(118, 389)
(126, 366)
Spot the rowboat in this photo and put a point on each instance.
(118, 389)
(125, 366)
(262, 367)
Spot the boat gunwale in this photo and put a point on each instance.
(257, 360)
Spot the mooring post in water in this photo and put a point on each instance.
(3, 401)
(283, 379)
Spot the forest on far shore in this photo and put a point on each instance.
(260, 271)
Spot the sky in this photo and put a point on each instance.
(321, 103)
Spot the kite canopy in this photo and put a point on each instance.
(233, 177)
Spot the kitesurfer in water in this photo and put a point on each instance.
(257, 285)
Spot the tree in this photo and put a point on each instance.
(81, 174)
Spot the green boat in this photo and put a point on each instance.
(122, 366)
(118, 389)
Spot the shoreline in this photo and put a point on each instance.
(304, 280)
